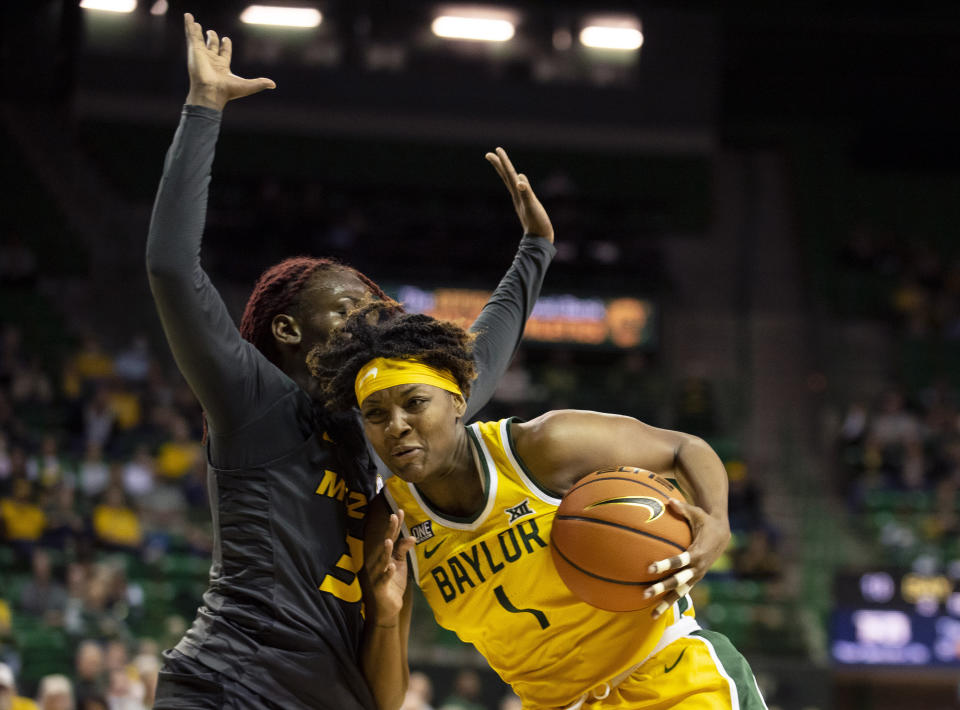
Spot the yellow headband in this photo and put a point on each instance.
(381, 372)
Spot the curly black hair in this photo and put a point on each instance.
(382, 329)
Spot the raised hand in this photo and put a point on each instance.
(387, 571)
(212, 84)
(532, 215)
(710, 538)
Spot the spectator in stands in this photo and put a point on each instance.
(65, 526)
(11, 353)
(56, 693)
(147, 667)
(419, 692)
(93, 472)
(115, 657)
(894, 425)
(757, 559)
(115, 524)
(43, 597)
(743, 502)
(89, 670)
(77, 575)
(125, 405)
(90, 361)
(47, 468)
(31, 387)
(125, 595)
(124, 692)
(913, 303)
(6, 465)
(133, 363)
(946, 521)
(98, 419)
(9, 421)
(138, 474)
(851, 439)
(23, 520)
(9, 700)
(194, 487)
(101, 614)
(162, 515)
(180, 453)
(466, 692)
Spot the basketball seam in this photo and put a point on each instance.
(607, 579)
(580, 486)
(585, 519)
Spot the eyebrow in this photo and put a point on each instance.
(376, 402)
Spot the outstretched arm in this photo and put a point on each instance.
(499, 326)
(388, 603)
(223, 370)
(561, 447)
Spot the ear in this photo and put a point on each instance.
(459, 404)
(286, 329)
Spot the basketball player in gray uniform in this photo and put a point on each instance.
(281, 623)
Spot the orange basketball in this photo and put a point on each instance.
(607, 531)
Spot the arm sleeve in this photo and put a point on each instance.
(231, 379)
(499, 327)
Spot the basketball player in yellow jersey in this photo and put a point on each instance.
(477, 503)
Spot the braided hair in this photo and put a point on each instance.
(382, 329)
(278, 290)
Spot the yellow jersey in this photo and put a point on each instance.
(24, 522)
(491, 579)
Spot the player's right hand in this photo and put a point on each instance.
(533, 217)
(212, 84)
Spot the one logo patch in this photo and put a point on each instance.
(652, 504)
(423, 531)
(372, 372)
(520, 510)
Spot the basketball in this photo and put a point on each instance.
(607, 531)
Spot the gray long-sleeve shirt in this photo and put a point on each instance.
(282, 614)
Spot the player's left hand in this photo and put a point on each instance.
(387, 570)
(710, 537)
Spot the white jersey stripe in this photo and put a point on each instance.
(518, 467)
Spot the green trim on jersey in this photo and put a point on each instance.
(516, 454)
(736, 666)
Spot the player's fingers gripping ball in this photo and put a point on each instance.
(610, 527)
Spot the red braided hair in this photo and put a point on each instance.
(278, 288)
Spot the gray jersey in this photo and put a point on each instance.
(289, 482)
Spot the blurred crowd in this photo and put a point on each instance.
(101, 475)
(899, 469)
(103, 456)
(469, 692)
(911, 280)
